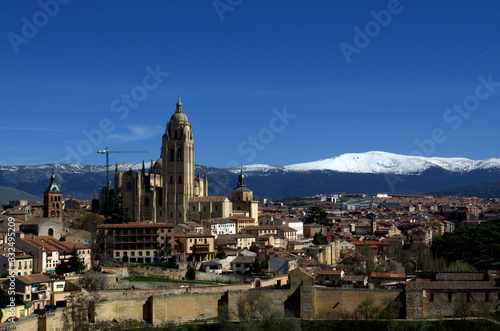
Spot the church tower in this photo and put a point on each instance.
(52, 199)
(177, 154)
(242, 199)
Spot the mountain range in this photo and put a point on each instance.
(369, 172)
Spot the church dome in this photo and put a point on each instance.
(179, 116)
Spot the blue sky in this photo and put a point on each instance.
(276, 82)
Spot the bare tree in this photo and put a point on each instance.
(81, 309)
(93, 281)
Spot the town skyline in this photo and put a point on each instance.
(308, 82)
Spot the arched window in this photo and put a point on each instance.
(180, 179)
(179, 155)
(57, 213)
(51, 232)
(171, 154)
(52, 214)
(51, 198)
(53, 205)
(129, 186)
(57, 206)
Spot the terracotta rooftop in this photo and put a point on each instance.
(34, 278)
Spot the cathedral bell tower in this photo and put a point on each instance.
(177, 154)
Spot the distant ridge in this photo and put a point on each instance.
(9, 193)
(370, 172)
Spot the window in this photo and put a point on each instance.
(132, 254)
(59, 286)
(179, 155)
(25, 264)
(180, 179)
(486, 297)
(117, 254)
(468, 296)
(129, 186)
(140, 253)
(19, 265)
(194, 208)
(51, 232)
(51, 198)
(171, 154)
(450, 299)
(431, 297)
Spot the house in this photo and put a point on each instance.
(218, 226)
(78, 236)
(283, 263)
(387, 279)
(354, 281)
(299, 277)
(242, 264)
(48, 252)
(195, 246)
(329, 277)
(22, 264)
(35, 288)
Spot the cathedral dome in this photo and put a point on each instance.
(179, 116)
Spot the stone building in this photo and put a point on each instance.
(52, 199)
(163, 193)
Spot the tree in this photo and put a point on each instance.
(221, 253)
(256, 268)
(93, 281)
(319, 239)
(81, 309)
(317, 215)
(191, 273)
(63, 268)
(368, 308)
(75, 262)
(114, 212)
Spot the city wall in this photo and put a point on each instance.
(322, 302)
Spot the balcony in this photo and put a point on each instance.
(40, 288)
(201, 249)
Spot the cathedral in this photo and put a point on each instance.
(163, 193)
(171, 191)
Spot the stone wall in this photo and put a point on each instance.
(178, 274)
(274, 301)
(342, 303)
(438, 304)
(184, 308)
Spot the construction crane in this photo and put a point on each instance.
(106, 151)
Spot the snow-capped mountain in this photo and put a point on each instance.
(352, 172)
(379, 163)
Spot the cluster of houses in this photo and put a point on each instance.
(281, 241)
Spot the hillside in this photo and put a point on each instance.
(10, 193)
